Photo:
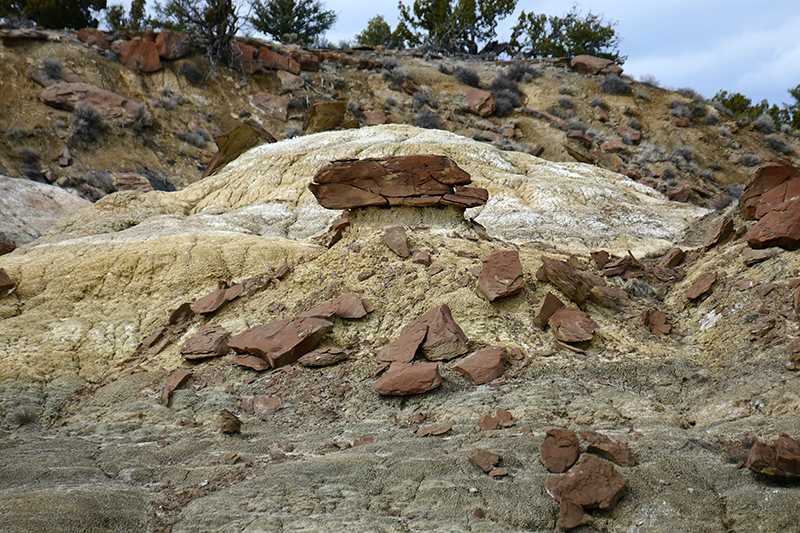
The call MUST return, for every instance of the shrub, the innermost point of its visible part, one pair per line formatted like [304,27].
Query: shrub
[428,119]
[686,152]
[196,138]
[564,102]
[191,73]
[634,123]
[293,130]
[354,108]
[389,63]
[642,94]
[786,128]
[23,415]
[391,102]
[775,142]
[651,153]
[724,131]
[506,93]
[523,72]
[750,160]
[678,108]
[580,126]
[14,133]
[765,123]
[649,79]
[87,124]
[556,112]
[613,84]
[467,76]
[669,176]
[52,68]
[418,100]
[598,102]
[168,99]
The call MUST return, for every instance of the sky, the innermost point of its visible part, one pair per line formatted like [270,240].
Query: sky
[739,46]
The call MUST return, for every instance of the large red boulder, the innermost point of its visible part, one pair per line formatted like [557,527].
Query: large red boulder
[591,66]
[779,227]
[172,45]
[418,180]
[403,379]
[484,365]
[560,450]
[768,176]
[140,55]
[480,102]
[284,341]
[780,460]
[436,333]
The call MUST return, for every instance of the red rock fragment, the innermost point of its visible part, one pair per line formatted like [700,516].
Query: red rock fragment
[403,379]
[506,418]
[484,365]
[213,301]
[433,430]
[251,361]
[395,238]
[94,37]
[559,450]
[375,118]
[7,284]
[274,106]
[488,423]
[421,258]
[435,333]
[601,445]
[498,472]
[276,61]
[483,459]
[591,483]
[600,258]
[325,356]
[501,275]
[634,135]
[572,325]
[574,283]
[284,341]
[261,406]
[656,322]
[112,106]
[701,286]
[210,341]
[780,461]
[480,102]
[672,258]
[549,305]
[230,422]
[348,305]
[718,233]
[175,380]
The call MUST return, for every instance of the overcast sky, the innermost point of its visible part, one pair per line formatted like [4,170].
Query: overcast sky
[740,46]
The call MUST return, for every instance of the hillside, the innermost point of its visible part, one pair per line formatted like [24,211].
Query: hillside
[432,353]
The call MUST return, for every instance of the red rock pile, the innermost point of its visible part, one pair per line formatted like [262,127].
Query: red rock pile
[421,181]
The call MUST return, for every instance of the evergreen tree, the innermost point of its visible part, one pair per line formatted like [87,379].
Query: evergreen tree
[567,36]
[454,25]
[214,24]
[304,18]
[379,33]
[54,14]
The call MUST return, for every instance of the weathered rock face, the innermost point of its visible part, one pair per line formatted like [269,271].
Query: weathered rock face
[779,227]
[112,106]
[769,176]
[501,275]
[419,181]
[28,208]
[234,143]
[172,45]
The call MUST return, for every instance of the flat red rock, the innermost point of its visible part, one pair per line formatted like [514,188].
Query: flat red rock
[572,325]
[403,379]
[484,365]
[701,286]
[348,305]
[591,482]
[284,341]
[480,102]
[779,227]
[175,380]
[591,65]
[606,448]
[501,275]
[483,459]
[718,233]
[419,180]
[396,239]
[560,450]
[325,356]
[210,341]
